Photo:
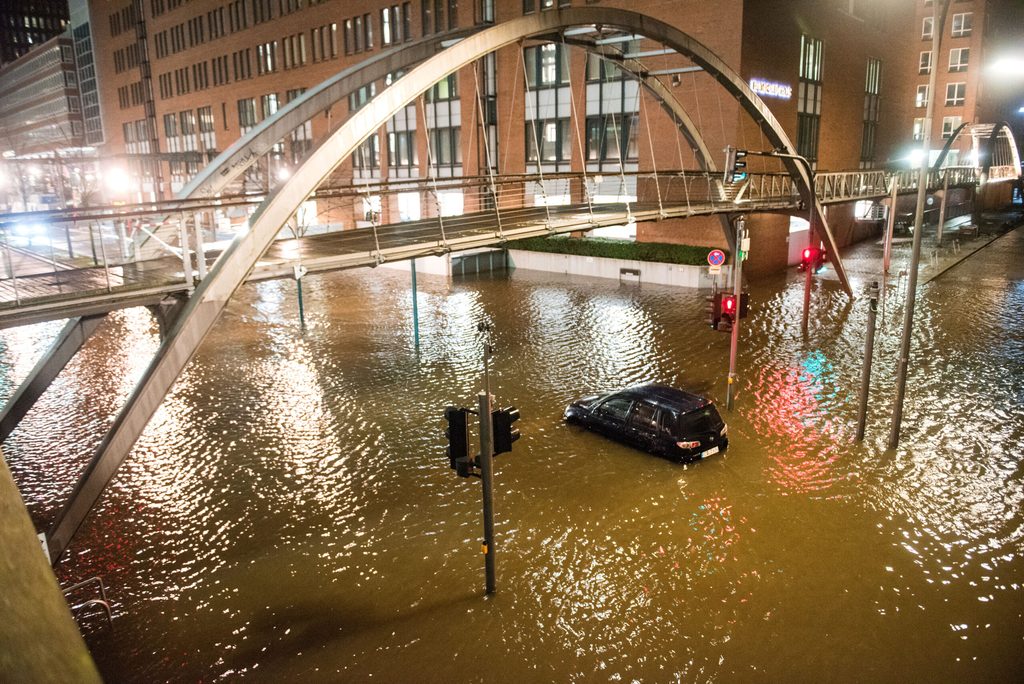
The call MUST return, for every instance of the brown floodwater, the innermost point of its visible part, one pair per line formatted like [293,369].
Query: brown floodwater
[289,514]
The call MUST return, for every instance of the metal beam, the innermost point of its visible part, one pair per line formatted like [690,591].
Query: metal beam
[231,269]
[70,339]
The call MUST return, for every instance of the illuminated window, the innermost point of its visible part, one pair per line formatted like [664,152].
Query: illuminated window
[962,24]
[922,96]
[950,124]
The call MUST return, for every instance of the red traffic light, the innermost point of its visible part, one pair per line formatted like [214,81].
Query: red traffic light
[729,304]
[808,255]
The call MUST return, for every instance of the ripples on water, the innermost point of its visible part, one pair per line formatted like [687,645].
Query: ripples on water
[289,513]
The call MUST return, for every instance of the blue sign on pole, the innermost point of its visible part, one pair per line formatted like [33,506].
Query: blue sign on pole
[716,257]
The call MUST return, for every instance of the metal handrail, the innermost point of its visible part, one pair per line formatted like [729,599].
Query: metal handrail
[103,602]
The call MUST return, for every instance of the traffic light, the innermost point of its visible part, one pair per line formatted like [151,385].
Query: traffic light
[728,307]
[812,258]
[458,440]
[504,433]
[734,164]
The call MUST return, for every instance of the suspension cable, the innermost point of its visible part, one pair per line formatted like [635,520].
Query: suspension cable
[650,140]
[430,171]
[576,130]
[536,144]
[487,150]
[378,257]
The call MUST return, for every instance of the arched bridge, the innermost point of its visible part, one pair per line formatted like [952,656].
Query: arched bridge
[496,206]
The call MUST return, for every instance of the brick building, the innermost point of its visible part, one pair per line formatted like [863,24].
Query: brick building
[181,81]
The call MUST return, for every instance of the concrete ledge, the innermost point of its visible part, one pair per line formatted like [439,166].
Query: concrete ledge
[650,272]
[39,640]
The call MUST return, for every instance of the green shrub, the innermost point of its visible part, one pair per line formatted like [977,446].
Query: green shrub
[615,249]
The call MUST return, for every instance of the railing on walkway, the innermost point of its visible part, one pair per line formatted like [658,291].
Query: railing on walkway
[64,255]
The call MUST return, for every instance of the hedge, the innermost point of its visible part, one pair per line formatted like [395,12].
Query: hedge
[615,249]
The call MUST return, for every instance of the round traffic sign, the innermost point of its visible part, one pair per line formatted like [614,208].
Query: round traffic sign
[716,257]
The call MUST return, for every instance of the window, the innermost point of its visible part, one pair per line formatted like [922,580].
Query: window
[546,65]
[266,57]
[608,136]
[247,114]
[444,146]
[950,124]
[645,416]
[325,42]
[924,65]
[922,96]
[402,149]
[269,105]
[872,92]
[615,408]
[358,98]
[962,24]
[808,116]
[552,136]
[926,28]
[445,89]
[367,155]
[955,94]
[385,26]
[958,58]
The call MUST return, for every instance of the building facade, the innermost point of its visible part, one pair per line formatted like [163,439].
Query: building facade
[179,81]
[26,24]
[41,130]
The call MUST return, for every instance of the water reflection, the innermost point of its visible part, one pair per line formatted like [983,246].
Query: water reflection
[289,513]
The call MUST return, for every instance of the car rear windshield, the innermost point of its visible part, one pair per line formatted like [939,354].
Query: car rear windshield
[701,420]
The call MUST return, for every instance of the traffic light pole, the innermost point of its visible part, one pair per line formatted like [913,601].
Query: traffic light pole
[737,288]
[487,477]
[487,465]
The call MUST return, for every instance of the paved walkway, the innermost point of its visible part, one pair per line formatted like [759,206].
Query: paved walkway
[961,239]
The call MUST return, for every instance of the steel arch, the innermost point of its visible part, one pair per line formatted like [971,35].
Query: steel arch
[230,270]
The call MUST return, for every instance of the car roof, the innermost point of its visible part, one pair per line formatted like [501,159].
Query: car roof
[664,396]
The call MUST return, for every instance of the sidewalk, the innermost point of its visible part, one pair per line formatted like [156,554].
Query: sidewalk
[960,240]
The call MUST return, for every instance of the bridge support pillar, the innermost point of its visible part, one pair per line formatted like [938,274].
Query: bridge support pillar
[166,312]
[67,344]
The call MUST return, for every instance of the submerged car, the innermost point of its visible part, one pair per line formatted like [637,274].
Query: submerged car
[656,418]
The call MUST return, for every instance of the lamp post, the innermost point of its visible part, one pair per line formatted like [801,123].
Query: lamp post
[938,22]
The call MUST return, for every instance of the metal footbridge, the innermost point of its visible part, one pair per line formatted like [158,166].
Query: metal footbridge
[177,263]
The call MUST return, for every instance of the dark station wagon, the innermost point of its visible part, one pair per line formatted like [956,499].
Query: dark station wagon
[656,418]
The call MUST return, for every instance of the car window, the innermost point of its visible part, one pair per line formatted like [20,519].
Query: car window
[616,407]
[645,416]
[702,420]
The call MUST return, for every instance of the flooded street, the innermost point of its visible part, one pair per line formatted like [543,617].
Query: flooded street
[289,514]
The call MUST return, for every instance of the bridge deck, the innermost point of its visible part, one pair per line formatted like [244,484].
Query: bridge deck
[80,291]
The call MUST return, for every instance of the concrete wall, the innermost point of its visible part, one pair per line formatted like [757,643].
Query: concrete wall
[598,267]
[39,640]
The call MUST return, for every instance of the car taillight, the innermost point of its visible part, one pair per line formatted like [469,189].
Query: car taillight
[687,445]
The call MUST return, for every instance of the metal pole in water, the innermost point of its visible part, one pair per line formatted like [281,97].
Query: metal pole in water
[865,375]
[487,463]
[737,289]
[487,478]
[415,309]
[938,24]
